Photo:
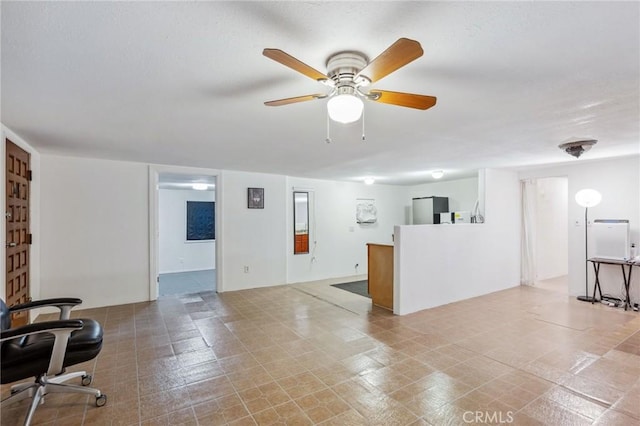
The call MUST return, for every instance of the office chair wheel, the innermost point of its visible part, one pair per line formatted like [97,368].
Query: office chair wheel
[101,400]
[87,379]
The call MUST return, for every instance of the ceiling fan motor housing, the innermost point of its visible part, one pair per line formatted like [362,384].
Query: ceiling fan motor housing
[343,67]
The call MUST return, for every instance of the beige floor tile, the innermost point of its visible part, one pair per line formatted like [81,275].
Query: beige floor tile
[550,412]
[615,418]
[575,402]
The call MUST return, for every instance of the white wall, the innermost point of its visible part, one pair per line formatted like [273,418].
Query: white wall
[34,205]
[618,180]
[439,264]
[336,242]
[551,227]
[253,237]
[95,230]
[462,194]
[104,224]
[176,254]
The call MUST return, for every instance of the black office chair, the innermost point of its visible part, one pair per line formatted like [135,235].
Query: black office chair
[43,350]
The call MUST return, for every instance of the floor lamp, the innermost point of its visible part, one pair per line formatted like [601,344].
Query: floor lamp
[587,198]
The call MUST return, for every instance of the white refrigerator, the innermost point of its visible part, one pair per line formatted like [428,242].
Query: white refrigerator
[426,210]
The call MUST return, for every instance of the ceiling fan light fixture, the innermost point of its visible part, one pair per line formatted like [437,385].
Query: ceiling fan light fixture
[437,174]
[345,108]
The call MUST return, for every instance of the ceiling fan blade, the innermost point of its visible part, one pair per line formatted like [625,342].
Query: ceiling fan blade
[287,101]
[293,63]
[409,100]
[396,56]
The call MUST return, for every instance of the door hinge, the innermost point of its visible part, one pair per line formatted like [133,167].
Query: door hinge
[158,279]
[29,175]
[29,238]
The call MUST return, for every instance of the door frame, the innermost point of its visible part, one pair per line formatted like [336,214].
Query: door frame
[154,173]
[537,230]
[34,212]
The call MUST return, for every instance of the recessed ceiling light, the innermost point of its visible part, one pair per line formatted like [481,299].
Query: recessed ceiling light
[369,181]
[437,174]
[200,186]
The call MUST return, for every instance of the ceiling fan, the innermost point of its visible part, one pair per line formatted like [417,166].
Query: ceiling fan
[349,75]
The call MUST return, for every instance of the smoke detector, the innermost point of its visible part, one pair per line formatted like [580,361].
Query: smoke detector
[577,147]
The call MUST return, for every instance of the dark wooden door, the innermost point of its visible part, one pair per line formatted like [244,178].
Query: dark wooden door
[18,175]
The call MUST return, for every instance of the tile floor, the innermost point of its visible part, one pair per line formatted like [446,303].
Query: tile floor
[187,282]
[313,354]
[558,284]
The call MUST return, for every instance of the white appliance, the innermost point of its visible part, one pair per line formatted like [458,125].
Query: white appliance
[446,217]
[610,239]
[455,217]
[462,217]
[426,210]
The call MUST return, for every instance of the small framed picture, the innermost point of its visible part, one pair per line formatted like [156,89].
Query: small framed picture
[255,198]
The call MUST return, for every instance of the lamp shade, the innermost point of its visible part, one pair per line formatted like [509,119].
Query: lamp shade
[345,108]
[588,197]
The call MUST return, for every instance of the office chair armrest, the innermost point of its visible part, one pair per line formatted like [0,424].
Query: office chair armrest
[60,326]
[65,304]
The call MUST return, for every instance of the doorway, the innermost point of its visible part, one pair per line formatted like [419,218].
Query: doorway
[185,231]
[187,245]
[18,238]
[545,233]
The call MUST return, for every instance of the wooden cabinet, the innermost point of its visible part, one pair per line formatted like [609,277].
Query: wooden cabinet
[380,274]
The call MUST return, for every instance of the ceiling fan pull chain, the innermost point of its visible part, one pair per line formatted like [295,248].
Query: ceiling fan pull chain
[363,138]
[328,139]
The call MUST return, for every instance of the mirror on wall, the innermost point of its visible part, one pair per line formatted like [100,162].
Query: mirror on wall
[300,222]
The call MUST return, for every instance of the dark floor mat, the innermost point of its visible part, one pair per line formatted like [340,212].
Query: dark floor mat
[357,287]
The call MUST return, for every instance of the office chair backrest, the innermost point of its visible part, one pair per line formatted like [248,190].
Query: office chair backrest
[5,316]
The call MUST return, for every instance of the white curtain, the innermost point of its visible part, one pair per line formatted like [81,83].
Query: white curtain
[528,232]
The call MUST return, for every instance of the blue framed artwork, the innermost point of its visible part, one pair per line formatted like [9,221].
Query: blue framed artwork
[201,220]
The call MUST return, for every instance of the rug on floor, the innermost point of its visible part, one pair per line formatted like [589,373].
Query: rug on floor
[357,287]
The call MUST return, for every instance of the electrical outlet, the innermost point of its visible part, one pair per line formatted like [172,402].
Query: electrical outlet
[246,269]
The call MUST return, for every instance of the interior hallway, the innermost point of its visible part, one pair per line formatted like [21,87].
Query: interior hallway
[303,354]
[179,283]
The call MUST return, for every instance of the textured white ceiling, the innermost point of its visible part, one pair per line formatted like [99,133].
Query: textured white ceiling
[184,83]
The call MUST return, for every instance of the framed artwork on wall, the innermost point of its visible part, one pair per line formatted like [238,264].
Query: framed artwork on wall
[366,211]
[201,220]
[255,198]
